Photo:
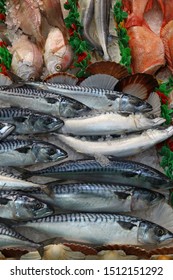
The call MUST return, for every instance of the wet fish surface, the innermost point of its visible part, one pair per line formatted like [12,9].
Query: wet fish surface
[101,229]
[119,147]
[5,129]
[28,152]
[18,206]
[9,238]
[95,197]
[96,98]
[40,101]
[29,122]
[115,171]
[108,124]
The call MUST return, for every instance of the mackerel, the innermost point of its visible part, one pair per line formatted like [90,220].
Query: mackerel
[108,123]
[26,121]
[95,98]
[95,197]
[114,171]
[28,152]
[6,129]
[119,147]
[44,102]
[101,229]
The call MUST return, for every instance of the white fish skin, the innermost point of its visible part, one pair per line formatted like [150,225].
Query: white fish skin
[121,147]
[108,123]
[97,228]
[6,129]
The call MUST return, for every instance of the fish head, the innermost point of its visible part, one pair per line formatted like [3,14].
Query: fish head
[47,152]
[70,108]
[60,60]
[135,104]
[31,207]
[153,234]
[143,199]
[46,123]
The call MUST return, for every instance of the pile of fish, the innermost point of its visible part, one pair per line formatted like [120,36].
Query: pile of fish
[95,194]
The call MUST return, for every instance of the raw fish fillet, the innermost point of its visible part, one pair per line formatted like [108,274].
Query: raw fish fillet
[167,38]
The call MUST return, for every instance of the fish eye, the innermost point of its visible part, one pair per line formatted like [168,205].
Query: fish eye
[38,206]
[31,79]
[48,121]
[159,231]
[58,67]
[51,151]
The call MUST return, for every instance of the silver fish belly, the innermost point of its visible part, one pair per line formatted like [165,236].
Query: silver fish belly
[98,99]
[122,147]
[40,101]
[92,197]
[28,152]
[99,229]
[115,171]
[18,206]
[108,124]
[29,122]
[6,129]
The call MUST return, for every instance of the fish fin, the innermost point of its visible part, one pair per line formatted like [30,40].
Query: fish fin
[4,201]
[100,81]
[24,173]
[62,78]
[20,119]
[139,85]
[111,68]
[166,37]
[154,101]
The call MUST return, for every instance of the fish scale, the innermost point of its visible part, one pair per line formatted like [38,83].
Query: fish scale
[13,144]
[13,112]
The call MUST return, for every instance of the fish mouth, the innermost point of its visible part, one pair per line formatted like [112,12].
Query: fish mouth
[59,155]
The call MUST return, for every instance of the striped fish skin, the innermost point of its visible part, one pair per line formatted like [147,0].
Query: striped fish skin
[6,129]
[95,98]
[29,122]
[119,171]
[17,206]
[28,152]
[44,102]
[10,182]
[86,197]
[9,238]
[101,229]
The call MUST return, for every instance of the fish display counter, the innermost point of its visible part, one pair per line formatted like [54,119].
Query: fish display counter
[86,130]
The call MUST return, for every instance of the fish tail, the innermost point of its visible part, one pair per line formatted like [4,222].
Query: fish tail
[24,173]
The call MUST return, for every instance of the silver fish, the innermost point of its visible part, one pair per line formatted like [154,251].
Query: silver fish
[102,12]
[116,170]
[87,14]
[44,102]
[9,238]
[99,229]
[96,98]
[17,206]
[6,129]
[9,181]
[28,152]
[119,147]
[29,122]
[108,123]
[93,197]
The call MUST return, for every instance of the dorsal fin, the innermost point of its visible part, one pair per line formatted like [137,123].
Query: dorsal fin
[154,101]
[100,81]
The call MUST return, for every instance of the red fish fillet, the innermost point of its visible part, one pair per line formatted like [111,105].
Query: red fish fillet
[147,50]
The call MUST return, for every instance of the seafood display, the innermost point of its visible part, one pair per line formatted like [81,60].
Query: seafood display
[84,115]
